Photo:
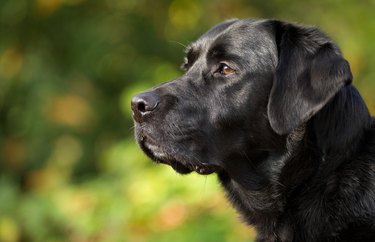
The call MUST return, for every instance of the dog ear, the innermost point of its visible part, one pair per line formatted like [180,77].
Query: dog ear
[310,71]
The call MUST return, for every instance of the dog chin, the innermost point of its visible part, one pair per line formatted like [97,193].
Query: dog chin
[158,156]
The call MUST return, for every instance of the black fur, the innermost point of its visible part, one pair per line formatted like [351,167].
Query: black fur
[269,106]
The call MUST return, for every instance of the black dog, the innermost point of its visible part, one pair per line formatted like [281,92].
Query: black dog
[269,106]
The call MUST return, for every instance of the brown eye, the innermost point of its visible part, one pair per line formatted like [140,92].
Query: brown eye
[225,70]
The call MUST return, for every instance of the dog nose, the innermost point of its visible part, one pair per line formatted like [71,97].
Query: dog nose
[143,104]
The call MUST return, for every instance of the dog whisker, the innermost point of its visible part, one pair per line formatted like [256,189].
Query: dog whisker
[176,42]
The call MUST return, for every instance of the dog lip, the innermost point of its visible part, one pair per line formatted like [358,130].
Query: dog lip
[206,169]
[142,144]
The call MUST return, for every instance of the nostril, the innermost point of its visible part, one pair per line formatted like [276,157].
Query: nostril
[141,107]
[143,103]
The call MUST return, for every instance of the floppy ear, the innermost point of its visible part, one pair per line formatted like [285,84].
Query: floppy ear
[309,73]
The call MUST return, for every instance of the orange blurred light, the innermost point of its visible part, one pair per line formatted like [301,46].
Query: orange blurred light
[47,7]
[171,216]
[69,110]
[11,61]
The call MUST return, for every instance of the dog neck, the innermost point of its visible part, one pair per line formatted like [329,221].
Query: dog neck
[315,148]
[260,188]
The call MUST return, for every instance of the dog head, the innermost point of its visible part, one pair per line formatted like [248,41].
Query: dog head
[247,85]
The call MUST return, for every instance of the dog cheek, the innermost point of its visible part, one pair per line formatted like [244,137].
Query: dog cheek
[219,117]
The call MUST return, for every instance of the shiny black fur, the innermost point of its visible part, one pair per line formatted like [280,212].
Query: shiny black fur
[290,138]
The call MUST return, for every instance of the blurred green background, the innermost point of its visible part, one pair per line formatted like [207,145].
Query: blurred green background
[69,167]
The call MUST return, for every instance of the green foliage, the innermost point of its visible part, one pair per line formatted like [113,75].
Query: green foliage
[69,168]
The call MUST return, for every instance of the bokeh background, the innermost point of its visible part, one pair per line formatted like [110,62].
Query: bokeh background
[69,167]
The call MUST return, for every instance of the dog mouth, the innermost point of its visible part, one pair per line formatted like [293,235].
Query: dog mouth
[159,155]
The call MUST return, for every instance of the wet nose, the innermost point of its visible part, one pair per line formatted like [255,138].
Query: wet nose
[144,104]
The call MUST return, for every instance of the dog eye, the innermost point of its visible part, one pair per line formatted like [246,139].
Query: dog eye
[225,70]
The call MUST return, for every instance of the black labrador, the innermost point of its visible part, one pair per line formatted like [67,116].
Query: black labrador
[269,106]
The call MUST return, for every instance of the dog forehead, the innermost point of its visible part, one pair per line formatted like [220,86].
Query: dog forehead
[231,27]
[233,33]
